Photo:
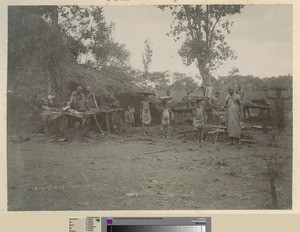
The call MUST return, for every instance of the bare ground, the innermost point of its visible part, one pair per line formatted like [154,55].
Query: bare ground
[116,173]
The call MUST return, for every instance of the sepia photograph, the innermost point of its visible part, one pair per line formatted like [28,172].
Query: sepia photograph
[149,107]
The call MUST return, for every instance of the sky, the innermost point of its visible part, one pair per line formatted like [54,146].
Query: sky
[261,37]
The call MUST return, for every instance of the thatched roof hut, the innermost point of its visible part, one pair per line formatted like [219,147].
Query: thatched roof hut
[42,61]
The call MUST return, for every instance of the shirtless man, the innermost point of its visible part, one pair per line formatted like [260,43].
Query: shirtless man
[145,114]
[199,119]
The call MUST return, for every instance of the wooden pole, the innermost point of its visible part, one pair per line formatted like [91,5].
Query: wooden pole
[97,123]
[216,139]
[107,123]
[265,121]
[46,122]
[65,118]
[154,152]
[110,119]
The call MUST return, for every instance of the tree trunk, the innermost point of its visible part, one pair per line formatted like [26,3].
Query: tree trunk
[203,71]
[48,79]
[207,27]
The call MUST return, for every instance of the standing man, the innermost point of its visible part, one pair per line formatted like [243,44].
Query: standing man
[239,90]
[233,114]
[214,102]
[49,103]
[145,114]
[199,119]
[156,93]
[166,115]
[77,100]
[208,87]
[279,108]
[188,98]
[90,99]
[91,103]
[169,100]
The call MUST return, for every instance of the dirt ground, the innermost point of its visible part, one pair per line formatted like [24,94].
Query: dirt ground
[124,173]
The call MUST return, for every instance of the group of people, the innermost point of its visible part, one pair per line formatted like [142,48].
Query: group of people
[80,101]
[233,108]
[233,111]
[129,115]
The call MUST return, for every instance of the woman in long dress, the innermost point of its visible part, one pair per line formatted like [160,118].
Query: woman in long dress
[233,114]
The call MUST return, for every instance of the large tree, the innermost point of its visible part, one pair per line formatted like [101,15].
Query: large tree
[202,30]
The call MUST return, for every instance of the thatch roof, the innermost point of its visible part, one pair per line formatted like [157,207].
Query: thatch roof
[99,82]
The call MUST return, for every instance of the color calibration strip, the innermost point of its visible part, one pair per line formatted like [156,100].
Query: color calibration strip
[158,228]
[88,224]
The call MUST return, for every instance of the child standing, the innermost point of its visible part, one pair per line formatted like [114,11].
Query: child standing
[166,113]
[127,115]
[131,114]
[199,119]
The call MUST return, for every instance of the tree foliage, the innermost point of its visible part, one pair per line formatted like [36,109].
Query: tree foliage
[86,32]
[233,71]
[183,81]
[150,79]
[88,26]
[202,30]
[147,55]
[160,78]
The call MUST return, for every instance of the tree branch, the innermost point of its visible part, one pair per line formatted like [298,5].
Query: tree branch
[186,9]
[213,29]
[207,30]
[198,17]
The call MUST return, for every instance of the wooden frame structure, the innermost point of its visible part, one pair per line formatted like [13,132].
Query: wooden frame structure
[55,113]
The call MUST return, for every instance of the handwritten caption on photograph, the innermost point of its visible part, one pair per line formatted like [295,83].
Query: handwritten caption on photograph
[57,187]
